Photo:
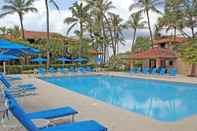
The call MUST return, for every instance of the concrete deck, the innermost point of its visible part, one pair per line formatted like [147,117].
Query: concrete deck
[114,118]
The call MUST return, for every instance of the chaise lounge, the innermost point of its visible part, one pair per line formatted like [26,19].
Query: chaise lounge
[21,116]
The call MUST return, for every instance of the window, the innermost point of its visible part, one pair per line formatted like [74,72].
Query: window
[163,45]
[171,63]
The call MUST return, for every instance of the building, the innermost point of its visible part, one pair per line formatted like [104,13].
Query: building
[163,54]
[33,36]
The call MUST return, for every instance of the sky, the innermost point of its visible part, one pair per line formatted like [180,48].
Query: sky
[37,21]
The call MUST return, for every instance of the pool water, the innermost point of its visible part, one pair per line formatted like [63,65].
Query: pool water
[163,101]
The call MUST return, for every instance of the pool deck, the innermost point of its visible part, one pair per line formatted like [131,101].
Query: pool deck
[114,118]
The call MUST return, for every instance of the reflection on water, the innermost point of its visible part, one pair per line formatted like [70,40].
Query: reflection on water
[159,100]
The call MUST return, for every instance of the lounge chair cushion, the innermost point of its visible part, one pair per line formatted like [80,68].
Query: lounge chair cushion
[26,86]
[52,113]
[78,126]
[19,113]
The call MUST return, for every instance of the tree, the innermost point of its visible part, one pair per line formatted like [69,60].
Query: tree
[47,24]
[157,31]
[79,17]
[188,17]
[3,30]
[135,22]
[14,31]
[99,10]
[171,20]
[145,6]
[20,7]
[117,28]
[188,52]
[142,44]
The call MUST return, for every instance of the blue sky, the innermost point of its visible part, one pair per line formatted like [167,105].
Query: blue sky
[64,4]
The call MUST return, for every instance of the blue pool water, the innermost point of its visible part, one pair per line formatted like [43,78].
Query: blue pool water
[164,101]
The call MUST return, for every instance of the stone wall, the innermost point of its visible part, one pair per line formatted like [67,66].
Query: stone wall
[183,68]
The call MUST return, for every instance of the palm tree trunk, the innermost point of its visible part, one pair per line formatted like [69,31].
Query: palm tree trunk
[193,33]
[111,35]
[132,46]
[193,70]
[81,38]
[149,26]
[104,40]
[48,36]
[22,27]
[175,34]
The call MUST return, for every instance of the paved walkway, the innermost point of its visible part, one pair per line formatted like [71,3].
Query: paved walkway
[116,119]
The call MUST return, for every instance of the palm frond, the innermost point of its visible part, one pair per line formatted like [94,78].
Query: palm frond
[6,13]
[70,20]
[70,28]
[55,4]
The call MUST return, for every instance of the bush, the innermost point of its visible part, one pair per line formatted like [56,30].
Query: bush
[20,69]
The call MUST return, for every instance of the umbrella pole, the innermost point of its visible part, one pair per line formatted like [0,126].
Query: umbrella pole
[4,70]
[63,64]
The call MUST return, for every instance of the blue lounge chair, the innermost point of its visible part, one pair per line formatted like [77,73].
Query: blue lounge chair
[20,86]
[145,70]
[82,70]
[21,116]
[162,71]
[18,91]
[154,71]
[47,114]
[89,69]
[53,113]
[41,71]
[133,70]
[61,70]
[14,78]
[138,70]
[71,69]
[173,72]
[52,70]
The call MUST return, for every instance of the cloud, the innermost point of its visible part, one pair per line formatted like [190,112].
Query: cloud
[37,21]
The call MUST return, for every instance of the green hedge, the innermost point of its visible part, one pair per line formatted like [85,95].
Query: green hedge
[19,69]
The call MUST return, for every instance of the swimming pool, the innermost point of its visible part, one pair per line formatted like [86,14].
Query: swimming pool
[163,101]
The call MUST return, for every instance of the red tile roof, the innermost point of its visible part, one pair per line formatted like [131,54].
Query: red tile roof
[155,53]
[178,40]
[39,35]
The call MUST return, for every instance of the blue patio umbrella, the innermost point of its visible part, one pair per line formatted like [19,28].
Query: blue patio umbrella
[98,59]
[39,60]
[8,47]
[4,58]
[20,52]
[80,59]
[64,59]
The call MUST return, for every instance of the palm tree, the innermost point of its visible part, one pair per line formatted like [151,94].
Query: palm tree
[47,24]
[14,31]
[99,10]
[20,7]
[188,19]
[117,29]
[171,20]
[79,17]
[157,31]
[145,6]
[3,30]
[135,22]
